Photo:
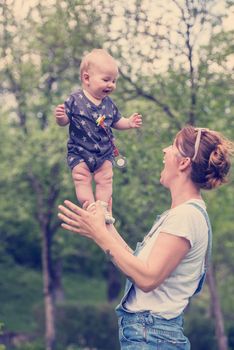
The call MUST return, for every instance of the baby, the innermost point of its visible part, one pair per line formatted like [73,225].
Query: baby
[91,114]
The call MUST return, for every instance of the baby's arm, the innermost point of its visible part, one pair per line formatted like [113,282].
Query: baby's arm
[60,115]
[134,121]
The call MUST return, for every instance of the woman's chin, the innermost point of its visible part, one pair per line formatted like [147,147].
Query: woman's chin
[163,180]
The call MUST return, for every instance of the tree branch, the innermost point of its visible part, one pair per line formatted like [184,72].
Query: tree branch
[165,108]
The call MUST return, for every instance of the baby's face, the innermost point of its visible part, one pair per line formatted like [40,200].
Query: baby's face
[102,78]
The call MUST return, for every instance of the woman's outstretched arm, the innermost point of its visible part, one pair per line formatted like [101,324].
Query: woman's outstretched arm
[166,254]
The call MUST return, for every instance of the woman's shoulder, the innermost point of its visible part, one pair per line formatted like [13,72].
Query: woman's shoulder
[192,207]
[192,213]
[187,220]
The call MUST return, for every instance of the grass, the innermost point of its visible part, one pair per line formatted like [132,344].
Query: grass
[21,290]
[84,290]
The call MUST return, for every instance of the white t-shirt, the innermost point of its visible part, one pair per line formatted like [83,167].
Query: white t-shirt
[170,298]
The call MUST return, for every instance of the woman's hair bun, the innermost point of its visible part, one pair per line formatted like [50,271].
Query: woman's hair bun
[218,166]
[212,161]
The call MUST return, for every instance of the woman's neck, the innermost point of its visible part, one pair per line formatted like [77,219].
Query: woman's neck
[183,194]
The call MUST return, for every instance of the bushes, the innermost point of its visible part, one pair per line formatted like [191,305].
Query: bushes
[78,327]
[37,345]
[231,337]
[89,326]
[199,328]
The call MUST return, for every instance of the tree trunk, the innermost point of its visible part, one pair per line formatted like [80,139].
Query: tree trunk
[216,311]
[113,282]
[44,214]
[48,292]
[58,287]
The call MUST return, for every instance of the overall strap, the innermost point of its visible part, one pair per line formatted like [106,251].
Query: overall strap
[158,222]
[209,246]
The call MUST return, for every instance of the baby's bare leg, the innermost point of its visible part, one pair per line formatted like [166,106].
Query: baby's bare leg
[83,183]
[103,178]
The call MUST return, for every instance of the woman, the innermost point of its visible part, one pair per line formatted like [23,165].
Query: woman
[169,265]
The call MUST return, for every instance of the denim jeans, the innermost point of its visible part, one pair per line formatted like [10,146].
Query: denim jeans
[144,331]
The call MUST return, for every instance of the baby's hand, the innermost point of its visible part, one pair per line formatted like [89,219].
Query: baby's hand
[59,111]
[135,120]
[60,115]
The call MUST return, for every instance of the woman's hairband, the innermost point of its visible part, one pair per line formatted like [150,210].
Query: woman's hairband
[198,141]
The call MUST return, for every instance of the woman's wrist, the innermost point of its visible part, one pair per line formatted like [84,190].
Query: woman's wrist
[102,238]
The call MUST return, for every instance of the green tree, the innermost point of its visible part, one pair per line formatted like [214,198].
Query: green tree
[33,67]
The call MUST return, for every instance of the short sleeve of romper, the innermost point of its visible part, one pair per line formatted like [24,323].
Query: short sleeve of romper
[69,106]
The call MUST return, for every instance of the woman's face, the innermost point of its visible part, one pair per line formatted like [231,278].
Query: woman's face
[171,160]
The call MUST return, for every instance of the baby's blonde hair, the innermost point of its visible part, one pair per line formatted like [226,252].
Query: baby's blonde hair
[91,59]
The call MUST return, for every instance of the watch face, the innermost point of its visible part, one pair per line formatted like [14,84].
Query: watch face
[120,162]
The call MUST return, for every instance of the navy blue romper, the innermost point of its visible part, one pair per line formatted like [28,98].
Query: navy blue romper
[87,141]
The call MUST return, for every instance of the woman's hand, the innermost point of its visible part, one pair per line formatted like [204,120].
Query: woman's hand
[89,223]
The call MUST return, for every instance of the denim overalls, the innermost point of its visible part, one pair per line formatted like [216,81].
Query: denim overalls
[144,330]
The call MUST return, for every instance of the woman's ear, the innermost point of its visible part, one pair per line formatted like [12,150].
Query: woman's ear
[184,163]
